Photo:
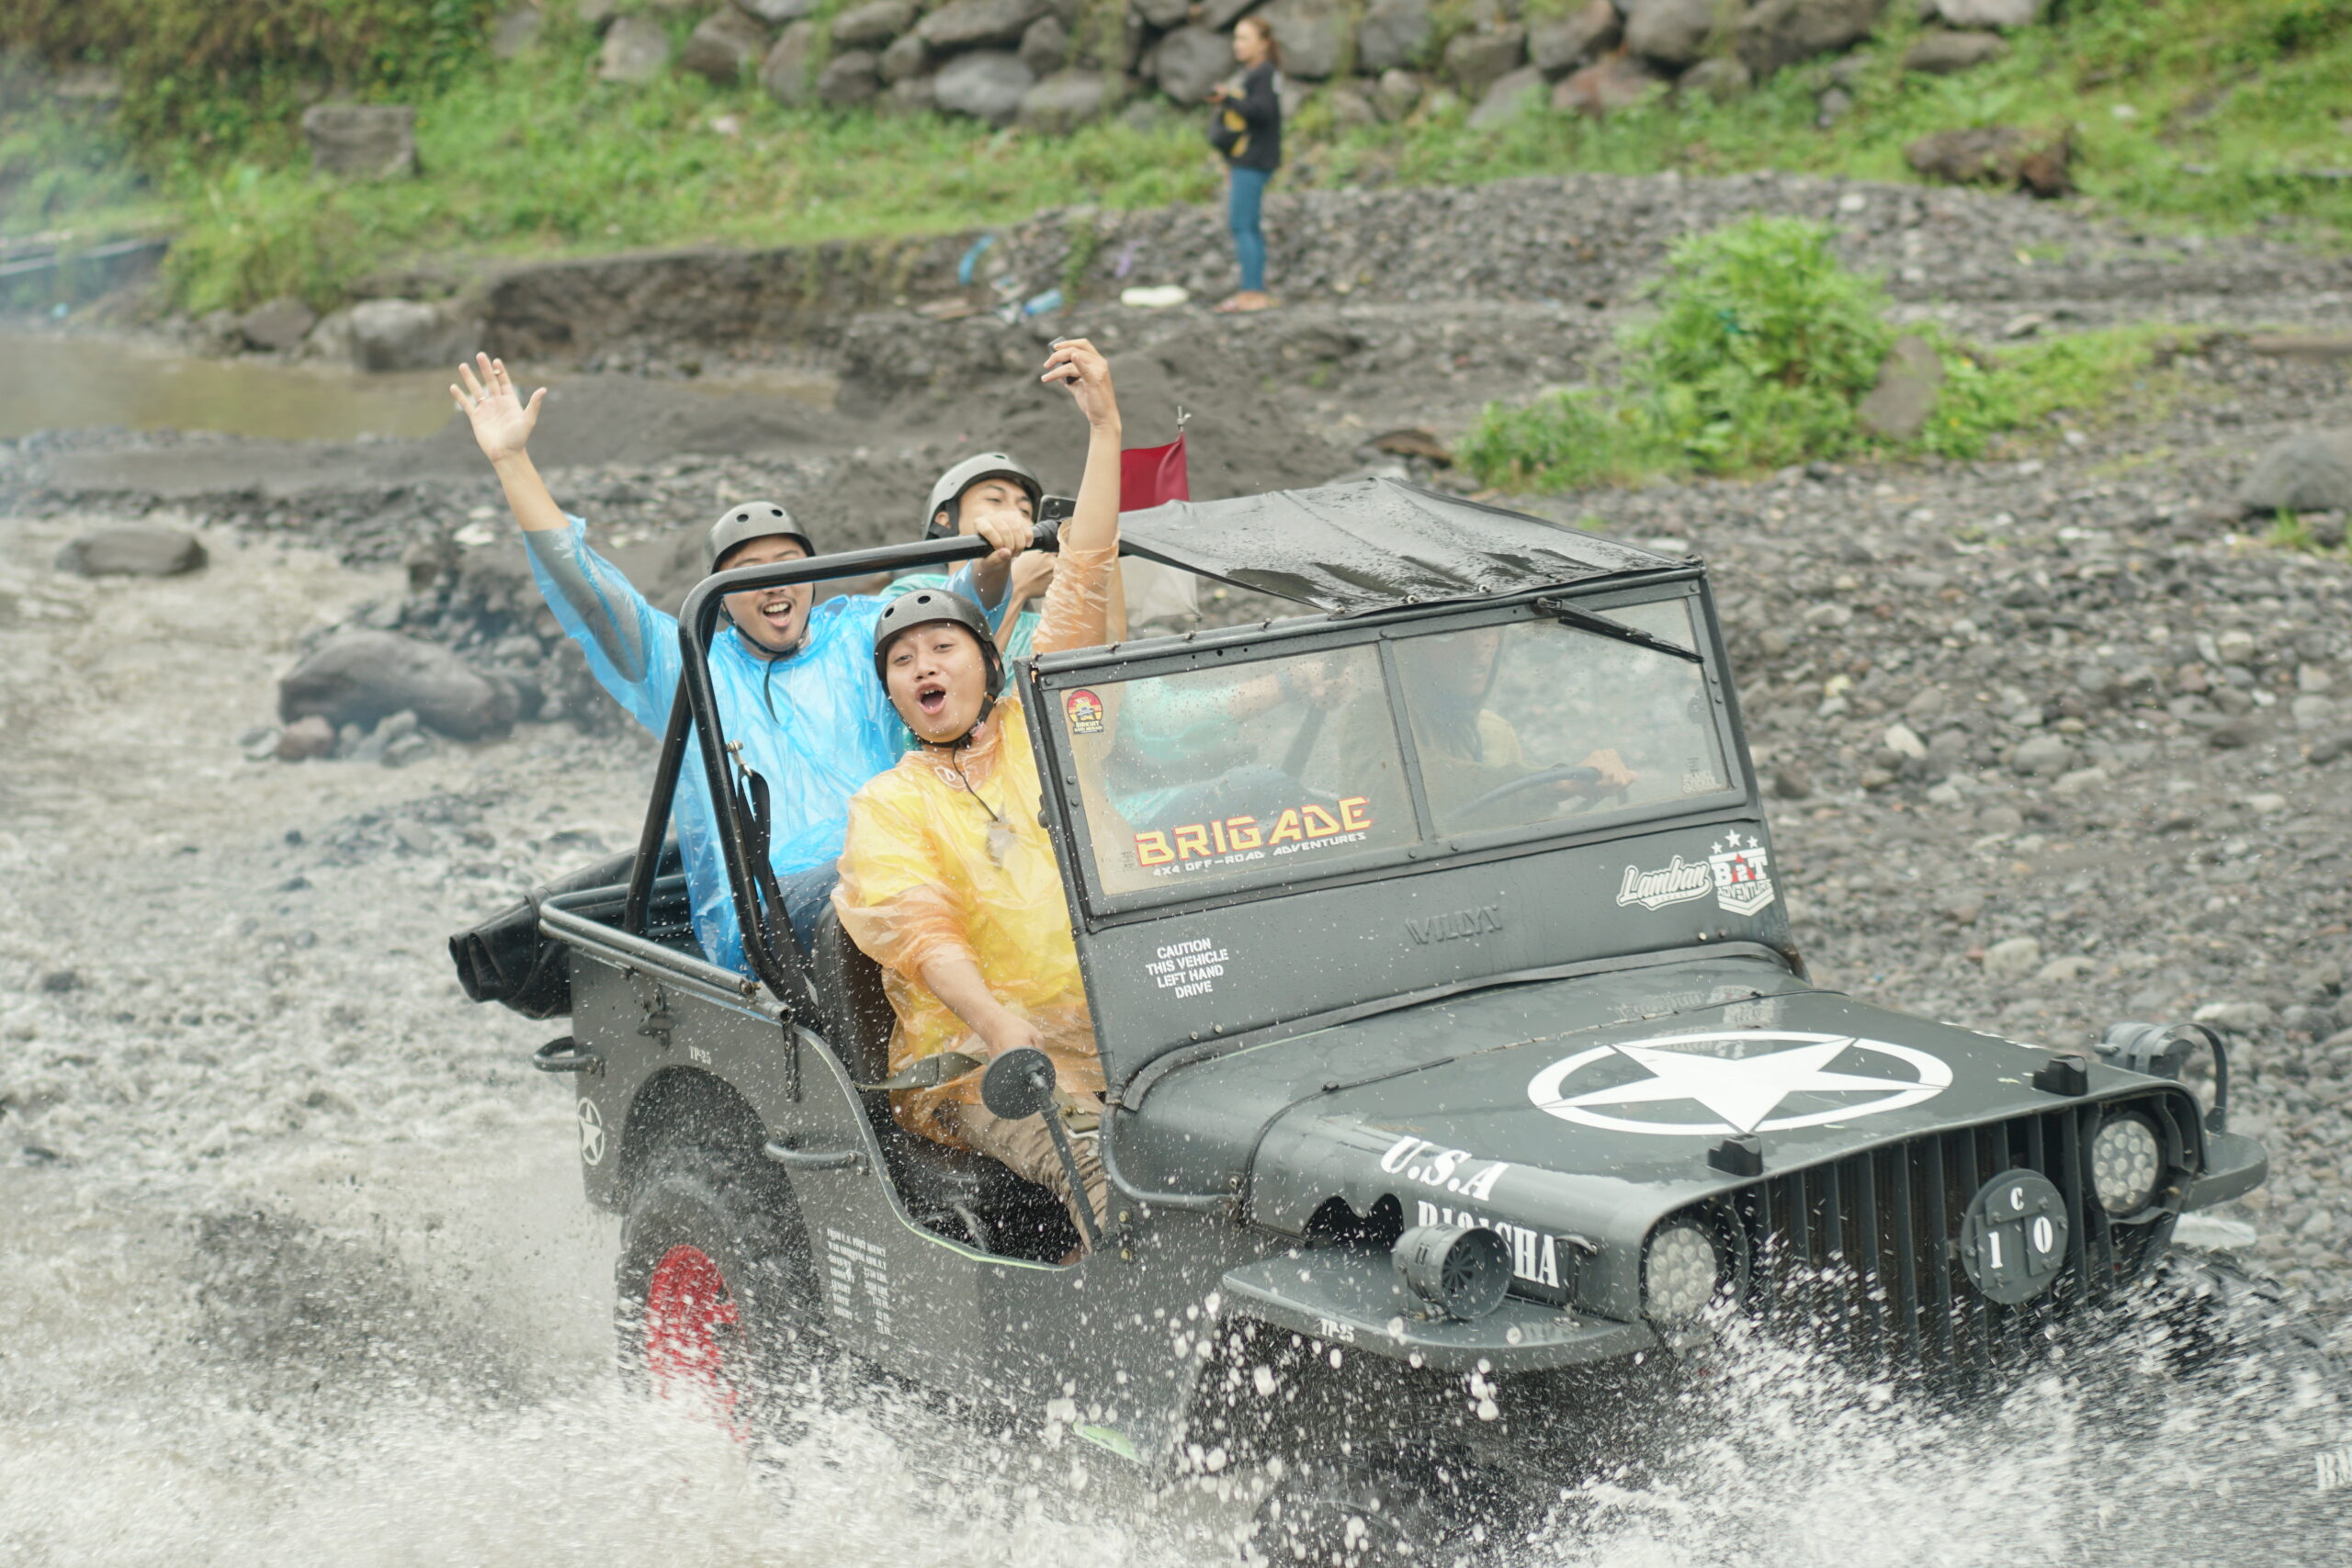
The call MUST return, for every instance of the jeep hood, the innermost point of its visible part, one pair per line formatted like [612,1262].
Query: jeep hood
[1586,1106]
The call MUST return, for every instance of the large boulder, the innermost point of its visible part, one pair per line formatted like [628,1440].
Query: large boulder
[1559,46]
[409,334]
[637,49]
[371,141]
[2309,472]
[1044,48]
[132,550]
[987,84]
[1397,93]
[787,73]
[597,15]
[726,47]
[1512,94]
[1162,14]
[908,95]
[1673,32]
[849,79]
[776,13]
[1945,53]
[1063,102]
[1476,62]
[1396,33]
[1782,32]
[1994,154]
[1897,408]
[361,677]
[1721,78]
[978,24]
[278,327]
[872,25]
[1312,34]
[1612,82]
[907,56]
[516,32]
[1189,61]
[1987,12]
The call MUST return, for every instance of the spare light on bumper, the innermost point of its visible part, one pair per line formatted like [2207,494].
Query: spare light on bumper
[2126,1164]
[1461,1270]
[1680,1272]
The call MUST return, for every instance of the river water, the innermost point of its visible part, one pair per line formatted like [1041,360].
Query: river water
[68,382]
[294,1267]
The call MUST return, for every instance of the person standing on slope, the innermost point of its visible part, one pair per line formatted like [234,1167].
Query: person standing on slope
[1248,131]
[795,681]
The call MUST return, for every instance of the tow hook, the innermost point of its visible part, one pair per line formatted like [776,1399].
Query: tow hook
[565,1055]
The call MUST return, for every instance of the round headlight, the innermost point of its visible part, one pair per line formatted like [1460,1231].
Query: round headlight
[2127,1161]
[1682,1272]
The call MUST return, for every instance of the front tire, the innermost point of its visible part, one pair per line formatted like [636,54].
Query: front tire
[718,1303]
[1338,1512]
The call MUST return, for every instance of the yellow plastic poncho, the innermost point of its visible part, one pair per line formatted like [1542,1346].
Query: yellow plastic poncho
[924,874]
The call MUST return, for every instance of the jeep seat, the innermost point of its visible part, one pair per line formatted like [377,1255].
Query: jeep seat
[944,1188]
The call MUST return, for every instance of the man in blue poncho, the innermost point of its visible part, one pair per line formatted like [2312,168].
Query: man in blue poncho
[795,683]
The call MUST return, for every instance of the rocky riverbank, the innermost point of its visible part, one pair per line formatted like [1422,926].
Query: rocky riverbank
[2053,738]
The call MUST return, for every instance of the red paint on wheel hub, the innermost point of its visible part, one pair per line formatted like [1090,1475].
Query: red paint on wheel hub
[686,1304]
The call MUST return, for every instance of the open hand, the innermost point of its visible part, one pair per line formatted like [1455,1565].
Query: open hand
[1077,364]
[502,423]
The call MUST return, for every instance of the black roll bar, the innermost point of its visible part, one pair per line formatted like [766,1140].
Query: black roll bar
[695,709]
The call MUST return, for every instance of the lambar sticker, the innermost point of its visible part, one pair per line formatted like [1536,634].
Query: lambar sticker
[1742,874]
[1084,710]
[1677,883]
[1234,840]
[1736,1081]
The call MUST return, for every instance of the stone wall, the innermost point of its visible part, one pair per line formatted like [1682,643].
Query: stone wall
[1051,66]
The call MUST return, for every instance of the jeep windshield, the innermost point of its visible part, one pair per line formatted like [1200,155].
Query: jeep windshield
[1506,725]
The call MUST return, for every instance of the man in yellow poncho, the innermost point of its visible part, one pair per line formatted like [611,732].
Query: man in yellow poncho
[948,880]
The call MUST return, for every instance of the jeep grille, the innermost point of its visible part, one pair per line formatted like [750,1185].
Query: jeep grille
[1865,1250]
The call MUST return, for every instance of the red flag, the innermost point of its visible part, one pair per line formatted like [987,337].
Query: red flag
[1153,476]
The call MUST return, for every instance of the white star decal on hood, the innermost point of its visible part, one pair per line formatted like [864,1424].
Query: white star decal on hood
[1740,1092]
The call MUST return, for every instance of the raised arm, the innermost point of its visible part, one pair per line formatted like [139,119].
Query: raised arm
[1077,611]
[503,424]
[631,646]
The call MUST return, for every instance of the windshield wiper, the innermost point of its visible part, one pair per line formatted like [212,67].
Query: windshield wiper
[1568,615]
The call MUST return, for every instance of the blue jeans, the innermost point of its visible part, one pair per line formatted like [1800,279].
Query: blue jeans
[1244,192]
[806,894]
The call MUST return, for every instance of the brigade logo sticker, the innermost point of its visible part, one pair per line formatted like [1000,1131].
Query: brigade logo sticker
[1736,1081]
[1232,840]
[1678,883]
[1742,874]
[591,1133]
[1084,710]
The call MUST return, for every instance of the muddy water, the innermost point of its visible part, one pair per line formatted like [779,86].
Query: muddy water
[294,1267]
[69,383]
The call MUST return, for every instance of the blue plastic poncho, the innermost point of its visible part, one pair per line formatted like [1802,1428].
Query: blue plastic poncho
[815,726]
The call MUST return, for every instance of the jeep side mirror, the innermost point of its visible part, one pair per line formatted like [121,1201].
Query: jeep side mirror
[1019,1083]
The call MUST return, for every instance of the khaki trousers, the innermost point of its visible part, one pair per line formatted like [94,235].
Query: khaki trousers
[1026,1149]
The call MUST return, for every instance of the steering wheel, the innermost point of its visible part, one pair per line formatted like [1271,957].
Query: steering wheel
[1540,778]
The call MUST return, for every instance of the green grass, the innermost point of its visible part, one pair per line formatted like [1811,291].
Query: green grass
[2238,111]
[1761,349]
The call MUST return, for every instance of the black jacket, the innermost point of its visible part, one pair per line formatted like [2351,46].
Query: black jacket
[1261,108]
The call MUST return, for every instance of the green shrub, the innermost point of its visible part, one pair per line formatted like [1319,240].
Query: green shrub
[1763,347]
[218,72]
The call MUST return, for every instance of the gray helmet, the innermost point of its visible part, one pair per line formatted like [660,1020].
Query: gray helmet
[948,493]
[755,520]
[921,608]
